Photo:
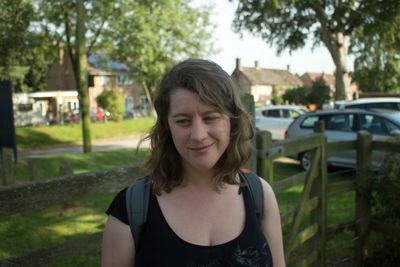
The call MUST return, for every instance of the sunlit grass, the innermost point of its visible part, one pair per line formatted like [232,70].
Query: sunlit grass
[34,137]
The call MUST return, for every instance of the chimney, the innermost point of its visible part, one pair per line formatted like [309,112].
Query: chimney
[256,64]
[238,63]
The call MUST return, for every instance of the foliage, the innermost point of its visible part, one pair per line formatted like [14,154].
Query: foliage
[377,64]
[288,24]
[320,92]
[297,95]
[385,206]
[15,17]
[113,102]
[159,33]
[25,54]
[317,94]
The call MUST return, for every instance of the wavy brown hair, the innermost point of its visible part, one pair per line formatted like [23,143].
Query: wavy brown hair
[215,88]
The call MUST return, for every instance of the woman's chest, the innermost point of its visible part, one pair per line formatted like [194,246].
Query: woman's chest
[206,221]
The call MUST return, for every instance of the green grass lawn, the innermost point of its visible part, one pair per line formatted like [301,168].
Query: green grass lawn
[34,137]
[33,230]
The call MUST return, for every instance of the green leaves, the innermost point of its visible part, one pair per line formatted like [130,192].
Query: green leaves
[15,17]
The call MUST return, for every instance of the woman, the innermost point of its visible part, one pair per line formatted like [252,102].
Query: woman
[200,212]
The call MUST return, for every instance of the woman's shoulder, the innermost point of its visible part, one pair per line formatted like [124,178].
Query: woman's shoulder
[117,207]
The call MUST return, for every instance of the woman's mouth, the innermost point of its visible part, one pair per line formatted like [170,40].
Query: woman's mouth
[201,149]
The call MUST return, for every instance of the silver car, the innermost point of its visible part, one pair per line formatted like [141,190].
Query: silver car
[342,125]
[276,119]
[391,103]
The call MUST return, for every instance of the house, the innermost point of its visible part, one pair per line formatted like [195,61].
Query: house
[309,78]
[264,84]
[103,74]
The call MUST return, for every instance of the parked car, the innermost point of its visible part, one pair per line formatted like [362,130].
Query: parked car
[96,114]
[132,113]
[72,116]
[276,119]
[391,103]
[341,125]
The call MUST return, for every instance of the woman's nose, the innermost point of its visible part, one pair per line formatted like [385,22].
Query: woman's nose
[199,130]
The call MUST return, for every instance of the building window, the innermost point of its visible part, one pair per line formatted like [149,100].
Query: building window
[123,80]
[102,80]
[129,102]
[72,104]
[25,107]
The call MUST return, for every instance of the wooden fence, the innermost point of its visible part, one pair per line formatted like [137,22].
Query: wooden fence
[317,190]
[34,195]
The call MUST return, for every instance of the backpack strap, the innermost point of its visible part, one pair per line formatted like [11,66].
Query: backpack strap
[137,204]
[256,191]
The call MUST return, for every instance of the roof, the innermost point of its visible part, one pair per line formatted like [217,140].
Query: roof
[261,76]
[101,61]
[309,78]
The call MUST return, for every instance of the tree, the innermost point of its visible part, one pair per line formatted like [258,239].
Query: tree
[15,18]
[320,92]
[377,50]
[113,102]
[289,23]
[25,55]
[297,95]
[151,35]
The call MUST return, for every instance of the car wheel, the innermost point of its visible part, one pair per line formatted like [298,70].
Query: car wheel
[305,160]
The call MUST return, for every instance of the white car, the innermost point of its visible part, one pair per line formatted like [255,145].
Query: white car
[343,125]
[276,119]
[391,103]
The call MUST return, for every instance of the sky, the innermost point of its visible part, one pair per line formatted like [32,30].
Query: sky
[250,48]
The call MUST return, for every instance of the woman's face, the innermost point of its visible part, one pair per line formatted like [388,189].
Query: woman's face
[200,132]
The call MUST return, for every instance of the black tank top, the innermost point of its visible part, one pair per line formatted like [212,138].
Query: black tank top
[160,246]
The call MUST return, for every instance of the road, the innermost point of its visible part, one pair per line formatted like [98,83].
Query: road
[97,145]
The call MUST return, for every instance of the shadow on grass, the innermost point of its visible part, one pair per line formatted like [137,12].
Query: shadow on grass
[34,137]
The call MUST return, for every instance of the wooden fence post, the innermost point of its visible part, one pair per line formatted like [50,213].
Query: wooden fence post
[319,190]
[265,166]
[363,212]
[35,169]
[248,102]
[66,169]
[7,168]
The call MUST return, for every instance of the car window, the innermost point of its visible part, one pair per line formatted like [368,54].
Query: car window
[293,114]
[338,122]
[286,113]
[309,122]
[272,113]
[386,105]
[376,124]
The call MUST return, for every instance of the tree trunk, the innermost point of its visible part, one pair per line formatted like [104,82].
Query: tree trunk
[81,78]
[338,46]
[339,51]
[149,100]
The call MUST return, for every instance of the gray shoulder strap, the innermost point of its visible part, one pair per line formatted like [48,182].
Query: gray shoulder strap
[256,192]
[137,204]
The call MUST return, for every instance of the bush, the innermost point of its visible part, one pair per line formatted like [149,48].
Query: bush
[317,94]
[297,95]
[385,207]
[113,102]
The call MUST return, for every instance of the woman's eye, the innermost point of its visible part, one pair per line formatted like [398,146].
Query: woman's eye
[183,121]
[211,118]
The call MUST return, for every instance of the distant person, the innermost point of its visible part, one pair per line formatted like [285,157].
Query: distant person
[200,212]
